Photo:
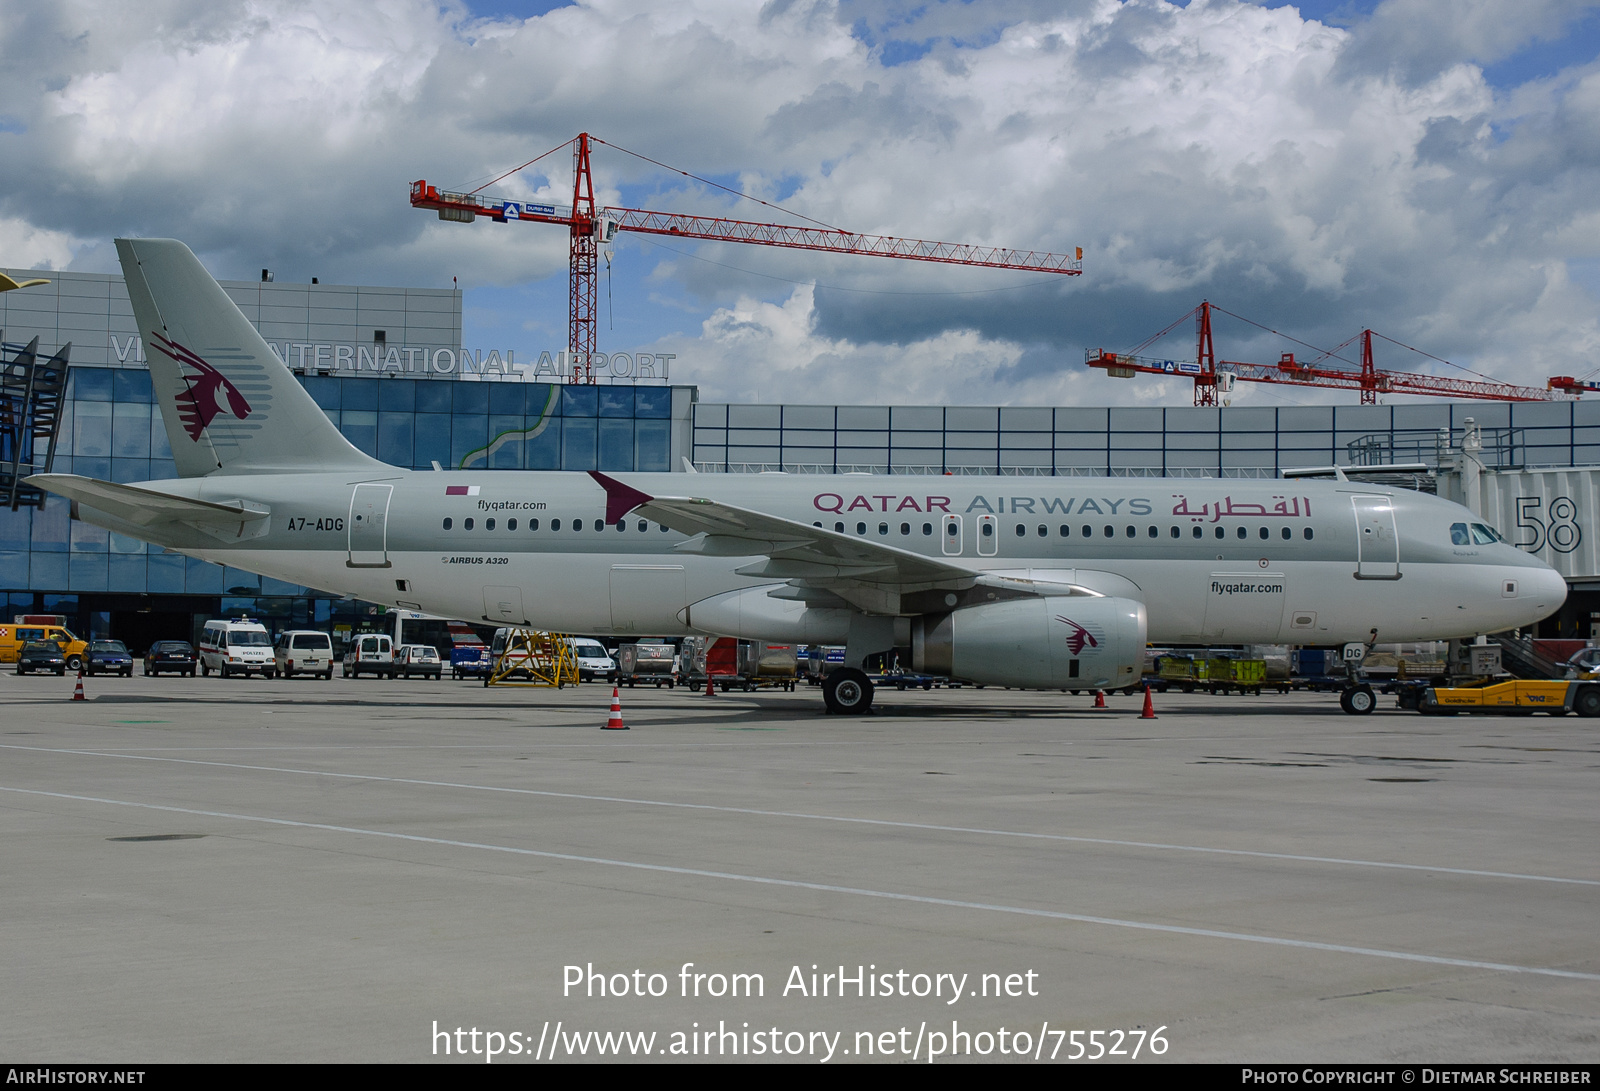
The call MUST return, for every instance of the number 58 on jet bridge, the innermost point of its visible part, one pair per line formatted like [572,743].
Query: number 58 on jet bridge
[1054,583]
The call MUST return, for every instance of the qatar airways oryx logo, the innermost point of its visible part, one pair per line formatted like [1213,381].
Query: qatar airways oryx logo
[206,393]
[1080,637]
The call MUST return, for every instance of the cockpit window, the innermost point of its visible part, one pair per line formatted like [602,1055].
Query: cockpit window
[1476,534]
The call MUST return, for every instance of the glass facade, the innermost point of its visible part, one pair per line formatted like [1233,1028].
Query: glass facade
[1245,441]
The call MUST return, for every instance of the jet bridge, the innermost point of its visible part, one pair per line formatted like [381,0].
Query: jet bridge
[32,396]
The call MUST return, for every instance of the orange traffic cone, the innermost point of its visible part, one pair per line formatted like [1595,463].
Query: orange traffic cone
[77,690]
[615,723]
[1149,712]
[710,689]
[1099,698]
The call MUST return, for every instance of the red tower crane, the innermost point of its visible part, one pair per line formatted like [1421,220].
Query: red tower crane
[590,227]
[1209,373]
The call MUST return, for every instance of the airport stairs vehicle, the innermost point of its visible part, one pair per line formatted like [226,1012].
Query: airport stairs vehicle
[1518,658]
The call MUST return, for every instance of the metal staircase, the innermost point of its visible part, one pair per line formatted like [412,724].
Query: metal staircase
[1519,659]
[33,394]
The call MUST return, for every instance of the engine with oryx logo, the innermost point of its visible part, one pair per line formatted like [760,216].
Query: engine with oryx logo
[1052,642]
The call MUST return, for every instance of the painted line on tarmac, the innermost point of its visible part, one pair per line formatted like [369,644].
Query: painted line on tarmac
[844,819]
[830,888]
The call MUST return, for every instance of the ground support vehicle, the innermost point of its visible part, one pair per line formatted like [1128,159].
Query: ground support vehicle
[470,661]
[771,666]
[904,680]
[176,656]
[1180,672]
[369,653]
[821,660]
[419,659]
[646,663]
[531,657]
[26,627]
[1244,675]
[719,664]
[236,647]
[41,655]
[304,651]
[592,660]
[108,657]
[1518,697]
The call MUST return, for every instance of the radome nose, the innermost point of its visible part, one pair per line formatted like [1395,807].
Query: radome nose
[1544,589]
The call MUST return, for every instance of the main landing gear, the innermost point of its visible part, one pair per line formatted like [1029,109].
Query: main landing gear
[847,692]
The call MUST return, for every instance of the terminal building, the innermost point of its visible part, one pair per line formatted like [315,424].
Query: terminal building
[388,367]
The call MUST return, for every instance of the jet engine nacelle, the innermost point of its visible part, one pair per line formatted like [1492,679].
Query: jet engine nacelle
[753,614]
[1057,642]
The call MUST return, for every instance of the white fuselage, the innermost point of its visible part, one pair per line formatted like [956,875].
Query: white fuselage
[1219,561]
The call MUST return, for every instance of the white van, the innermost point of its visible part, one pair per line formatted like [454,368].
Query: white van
[304,651]
[592,660]
[237,647]
[369,653]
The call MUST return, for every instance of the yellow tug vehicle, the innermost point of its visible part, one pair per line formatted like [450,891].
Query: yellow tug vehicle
[1520,697]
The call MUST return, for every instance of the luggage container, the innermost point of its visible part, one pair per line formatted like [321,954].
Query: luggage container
[647,662]
[1244,675]
[769,665]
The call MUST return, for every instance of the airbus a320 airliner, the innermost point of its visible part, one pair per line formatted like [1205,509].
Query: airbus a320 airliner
[1034,582]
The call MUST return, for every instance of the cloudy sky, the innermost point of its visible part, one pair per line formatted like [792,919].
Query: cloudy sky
[1428,168]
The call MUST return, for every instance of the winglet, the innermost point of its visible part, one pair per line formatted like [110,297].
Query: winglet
[620,498]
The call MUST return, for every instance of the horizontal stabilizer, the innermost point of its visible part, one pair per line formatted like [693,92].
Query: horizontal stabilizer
[143,506]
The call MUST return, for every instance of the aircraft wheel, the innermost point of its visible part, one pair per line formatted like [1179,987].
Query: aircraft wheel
[1358,700]
[1587,702]
[847,692]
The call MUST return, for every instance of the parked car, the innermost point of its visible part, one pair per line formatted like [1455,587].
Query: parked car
[420,659]
[592,660]
[176,656]
[108,657]
[41,655]
[236,647]
[304,651]
[370,653]
[1584,663]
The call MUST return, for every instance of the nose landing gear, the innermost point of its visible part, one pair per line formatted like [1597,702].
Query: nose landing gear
[1358,700]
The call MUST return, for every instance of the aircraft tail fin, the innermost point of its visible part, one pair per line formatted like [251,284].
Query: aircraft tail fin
[229,404]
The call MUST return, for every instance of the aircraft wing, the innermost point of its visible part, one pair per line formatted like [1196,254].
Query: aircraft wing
[873,576]
[228,519]
[793,550]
